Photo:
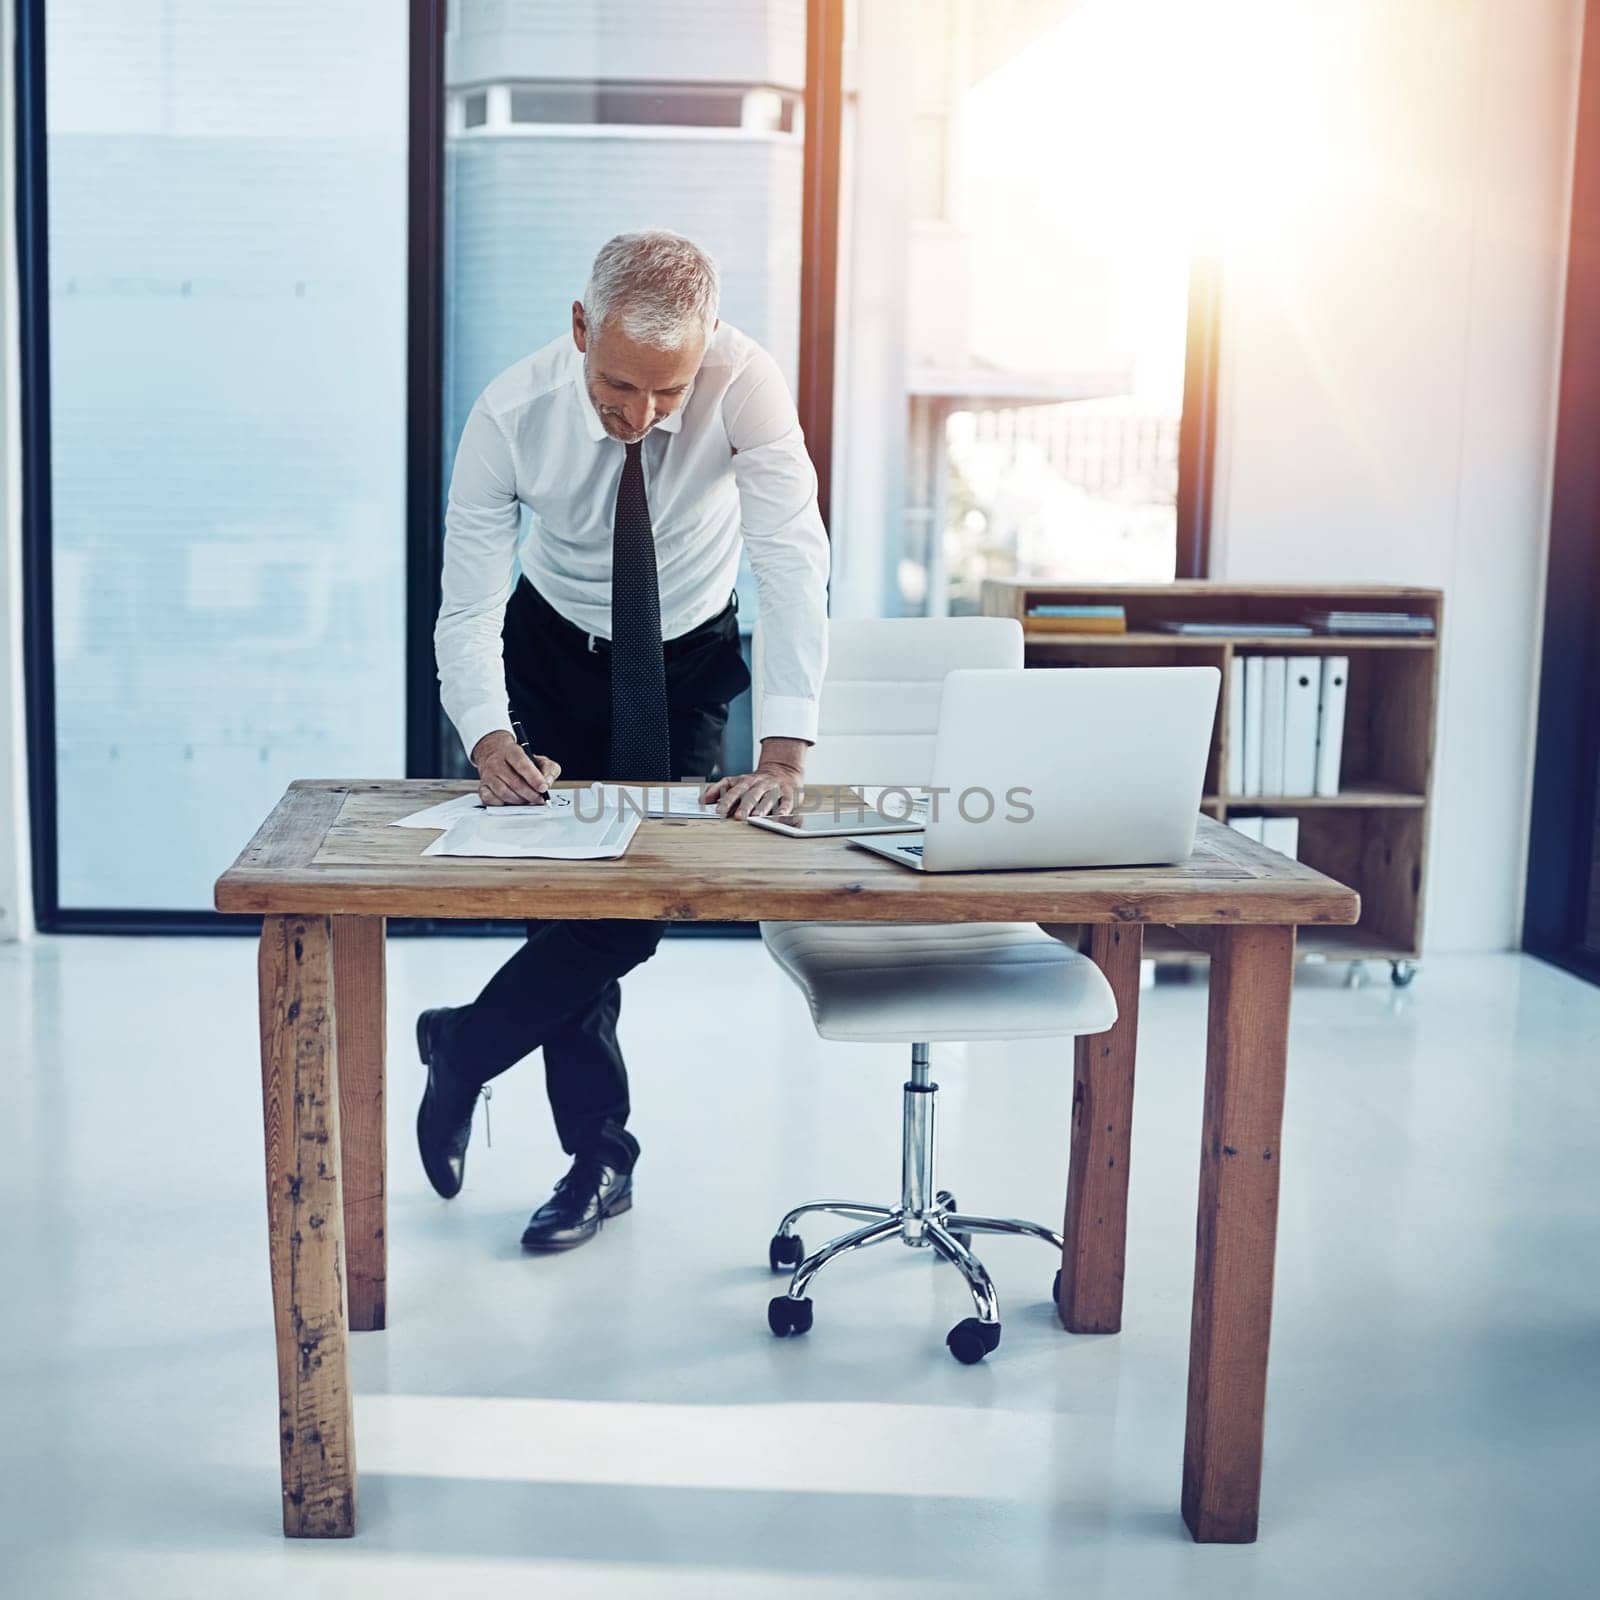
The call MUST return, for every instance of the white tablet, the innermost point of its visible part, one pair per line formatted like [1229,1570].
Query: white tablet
[845,822]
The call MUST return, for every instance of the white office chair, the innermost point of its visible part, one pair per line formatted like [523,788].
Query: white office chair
[917,984]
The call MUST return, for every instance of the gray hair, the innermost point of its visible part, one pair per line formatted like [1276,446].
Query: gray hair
[661,288]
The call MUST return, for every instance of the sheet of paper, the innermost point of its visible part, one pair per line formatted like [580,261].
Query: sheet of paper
[583,832]
[446,812]
[660,800]
[439,816]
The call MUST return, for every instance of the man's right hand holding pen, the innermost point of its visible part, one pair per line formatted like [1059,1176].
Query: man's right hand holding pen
[509,773]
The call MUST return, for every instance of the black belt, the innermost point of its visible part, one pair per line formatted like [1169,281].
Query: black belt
[597,644]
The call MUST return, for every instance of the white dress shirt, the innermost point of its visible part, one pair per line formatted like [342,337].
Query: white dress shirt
[729,463]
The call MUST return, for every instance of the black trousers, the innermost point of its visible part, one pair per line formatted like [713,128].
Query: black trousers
[560,990]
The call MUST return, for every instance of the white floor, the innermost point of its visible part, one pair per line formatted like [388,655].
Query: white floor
[619,1421]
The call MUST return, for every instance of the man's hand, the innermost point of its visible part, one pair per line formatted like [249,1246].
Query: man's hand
[772,789]
[506,777]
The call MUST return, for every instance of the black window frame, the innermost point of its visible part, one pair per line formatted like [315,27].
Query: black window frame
[427,744]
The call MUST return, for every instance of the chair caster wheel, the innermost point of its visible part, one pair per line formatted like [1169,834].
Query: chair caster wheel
[970,1340]
[1055,1288]
[785,1252]
[786,1316]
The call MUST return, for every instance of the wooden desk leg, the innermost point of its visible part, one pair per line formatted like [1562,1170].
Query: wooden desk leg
[1247,1039]
[359,1005]
[1096,1226]
[305,1215]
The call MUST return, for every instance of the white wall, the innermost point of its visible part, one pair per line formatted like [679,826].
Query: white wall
[1391,346]
[15,911]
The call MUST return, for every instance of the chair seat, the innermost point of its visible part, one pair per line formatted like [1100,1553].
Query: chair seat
[913,983]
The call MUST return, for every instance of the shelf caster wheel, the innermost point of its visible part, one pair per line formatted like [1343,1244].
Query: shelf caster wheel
[786,1316]
[785,1252]
[1401,973]
[970,1340]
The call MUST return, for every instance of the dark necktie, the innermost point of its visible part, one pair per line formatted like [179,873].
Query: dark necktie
[639,742]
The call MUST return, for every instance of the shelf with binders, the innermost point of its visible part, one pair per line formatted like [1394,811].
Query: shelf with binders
[1146,606]
[1372,833]
[1386,753]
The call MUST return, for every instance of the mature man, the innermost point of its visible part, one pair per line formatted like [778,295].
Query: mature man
[645,448]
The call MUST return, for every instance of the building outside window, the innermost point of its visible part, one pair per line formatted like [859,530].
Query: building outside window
[566,125]
[1014,283]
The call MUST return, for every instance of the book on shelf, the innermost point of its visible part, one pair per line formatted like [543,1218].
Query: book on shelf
[1236,730]
[1075,625]
[1303,690]
[1409,624]
[1274,692]
[1287,720]
[1254,668]
[1051,618]
[1330,723]
[1062,608]
[1253,630]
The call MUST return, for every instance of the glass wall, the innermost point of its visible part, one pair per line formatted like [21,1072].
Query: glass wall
[1013,298]
[227,244]
[569,124]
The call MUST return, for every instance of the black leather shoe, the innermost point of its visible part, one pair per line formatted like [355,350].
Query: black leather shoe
[599,1184]
[444,1119]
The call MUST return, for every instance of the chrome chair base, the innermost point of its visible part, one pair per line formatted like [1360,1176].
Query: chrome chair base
[918,1222]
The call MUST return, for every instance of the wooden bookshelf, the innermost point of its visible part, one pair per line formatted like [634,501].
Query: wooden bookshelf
[1374,834]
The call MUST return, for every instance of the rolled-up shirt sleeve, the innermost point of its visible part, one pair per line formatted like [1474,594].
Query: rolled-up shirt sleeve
[787,545]
[480,549]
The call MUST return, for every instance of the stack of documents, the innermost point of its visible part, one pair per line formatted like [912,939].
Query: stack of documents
[1286,725]
[550,833]
[593,824]
[1048,618]
[1220,630]
[1405,623]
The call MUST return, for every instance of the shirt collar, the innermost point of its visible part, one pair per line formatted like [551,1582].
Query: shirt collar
[594,427]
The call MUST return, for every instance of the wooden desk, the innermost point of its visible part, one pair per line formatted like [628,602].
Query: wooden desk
[325,870]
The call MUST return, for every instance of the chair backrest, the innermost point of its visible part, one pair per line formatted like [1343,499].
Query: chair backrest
[879,712]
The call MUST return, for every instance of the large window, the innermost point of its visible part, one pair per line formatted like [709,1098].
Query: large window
[1014,288]
[263,284]
[568,124]
[226,248]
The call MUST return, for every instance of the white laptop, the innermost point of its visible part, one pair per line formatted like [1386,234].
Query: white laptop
[1095,767]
